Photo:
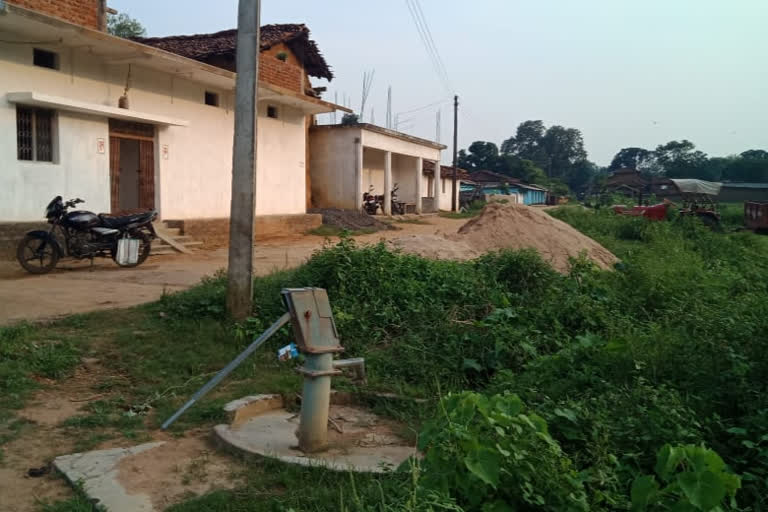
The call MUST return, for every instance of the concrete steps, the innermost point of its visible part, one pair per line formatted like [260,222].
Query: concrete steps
[160,247]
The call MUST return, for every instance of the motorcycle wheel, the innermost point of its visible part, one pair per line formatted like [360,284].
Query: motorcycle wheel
[36,255]
[145,245]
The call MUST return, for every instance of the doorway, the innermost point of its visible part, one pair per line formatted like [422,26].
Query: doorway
[131,166]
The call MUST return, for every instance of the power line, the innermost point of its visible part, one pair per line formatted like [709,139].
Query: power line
[424,23]
[425,107]
[427,41]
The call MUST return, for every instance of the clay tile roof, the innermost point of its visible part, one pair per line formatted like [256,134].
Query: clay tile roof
[484,176]
[446,171]
[206,46]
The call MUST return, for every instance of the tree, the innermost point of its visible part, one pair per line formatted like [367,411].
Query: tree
[631,158]
[122,25]
[755,154]
[527,142]
[564,147]
[750,166]
[580,175]
[480,155]
[680,159]
[524,170]
[554,149]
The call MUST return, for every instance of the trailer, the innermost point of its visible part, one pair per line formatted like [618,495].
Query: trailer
[756,215]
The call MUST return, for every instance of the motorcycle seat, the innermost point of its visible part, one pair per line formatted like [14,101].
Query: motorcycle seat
[118,221]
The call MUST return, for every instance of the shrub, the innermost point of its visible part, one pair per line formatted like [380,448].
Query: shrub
[491,453]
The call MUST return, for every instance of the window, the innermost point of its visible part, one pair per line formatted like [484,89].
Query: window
[443,180]
[211,98]
[272,111]
[45,59]
[34,134]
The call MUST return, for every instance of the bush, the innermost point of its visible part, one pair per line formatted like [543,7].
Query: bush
[491,453]
[669,348]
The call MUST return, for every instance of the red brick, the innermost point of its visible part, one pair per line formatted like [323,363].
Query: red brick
[81,12]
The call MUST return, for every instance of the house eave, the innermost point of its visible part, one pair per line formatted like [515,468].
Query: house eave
[37,99]
[384,131]
[55,32]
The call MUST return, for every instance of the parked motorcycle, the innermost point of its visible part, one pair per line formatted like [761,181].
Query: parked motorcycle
[127,239]
[370,202]
[398,208]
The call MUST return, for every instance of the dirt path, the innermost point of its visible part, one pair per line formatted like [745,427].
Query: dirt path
[76,288]
[193,465]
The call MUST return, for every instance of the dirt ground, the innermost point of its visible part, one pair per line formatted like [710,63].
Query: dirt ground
[192,466]
[75,287]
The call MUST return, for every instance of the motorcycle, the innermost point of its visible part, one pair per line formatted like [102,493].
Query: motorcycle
[370,202]
[398,208]
[127,239]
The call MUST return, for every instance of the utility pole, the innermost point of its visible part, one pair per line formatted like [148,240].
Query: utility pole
[389,107]
[242,208]
[455,151]
[336,101]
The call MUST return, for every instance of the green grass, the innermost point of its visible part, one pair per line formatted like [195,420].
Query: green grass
[329,230]
[28,354]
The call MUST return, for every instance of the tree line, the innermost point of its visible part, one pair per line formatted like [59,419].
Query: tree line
[555,157]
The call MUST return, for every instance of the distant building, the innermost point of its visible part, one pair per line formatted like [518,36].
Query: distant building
[738,191]
[631,183]
[493,183]
[349,160]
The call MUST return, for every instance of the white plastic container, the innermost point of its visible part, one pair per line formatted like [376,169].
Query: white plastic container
[127,251]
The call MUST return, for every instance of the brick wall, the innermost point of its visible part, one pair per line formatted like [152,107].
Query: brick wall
[214,233]
[87,13]
[282,74]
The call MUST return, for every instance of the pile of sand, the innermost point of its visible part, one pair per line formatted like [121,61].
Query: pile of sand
[434,247]
[510,226]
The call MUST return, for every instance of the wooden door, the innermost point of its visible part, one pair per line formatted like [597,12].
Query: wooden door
[146,174]
[114,174]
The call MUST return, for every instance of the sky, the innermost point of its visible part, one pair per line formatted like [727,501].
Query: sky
[624,72]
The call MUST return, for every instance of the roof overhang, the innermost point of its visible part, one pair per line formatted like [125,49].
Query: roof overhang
[56,102]
[307,104]
[378,129]
[50,32]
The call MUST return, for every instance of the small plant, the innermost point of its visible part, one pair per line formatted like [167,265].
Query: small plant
[491,453]
[466,212]
[694,478]
[282,56]
[350,119]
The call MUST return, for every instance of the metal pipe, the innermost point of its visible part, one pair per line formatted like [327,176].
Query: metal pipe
[358,363]
[315,402]
[231,366]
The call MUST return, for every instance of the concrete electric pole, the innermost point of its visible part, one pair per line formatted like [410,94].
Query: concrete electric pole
[242,210]
[454,206]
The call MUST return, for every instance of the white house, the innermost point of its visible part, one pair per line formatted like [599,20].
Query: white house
[442,190]
[348,160]
[62,131]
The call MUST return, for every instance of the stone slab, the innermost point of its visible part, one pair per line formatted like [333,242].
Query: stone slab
[273,435]
[97,473]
